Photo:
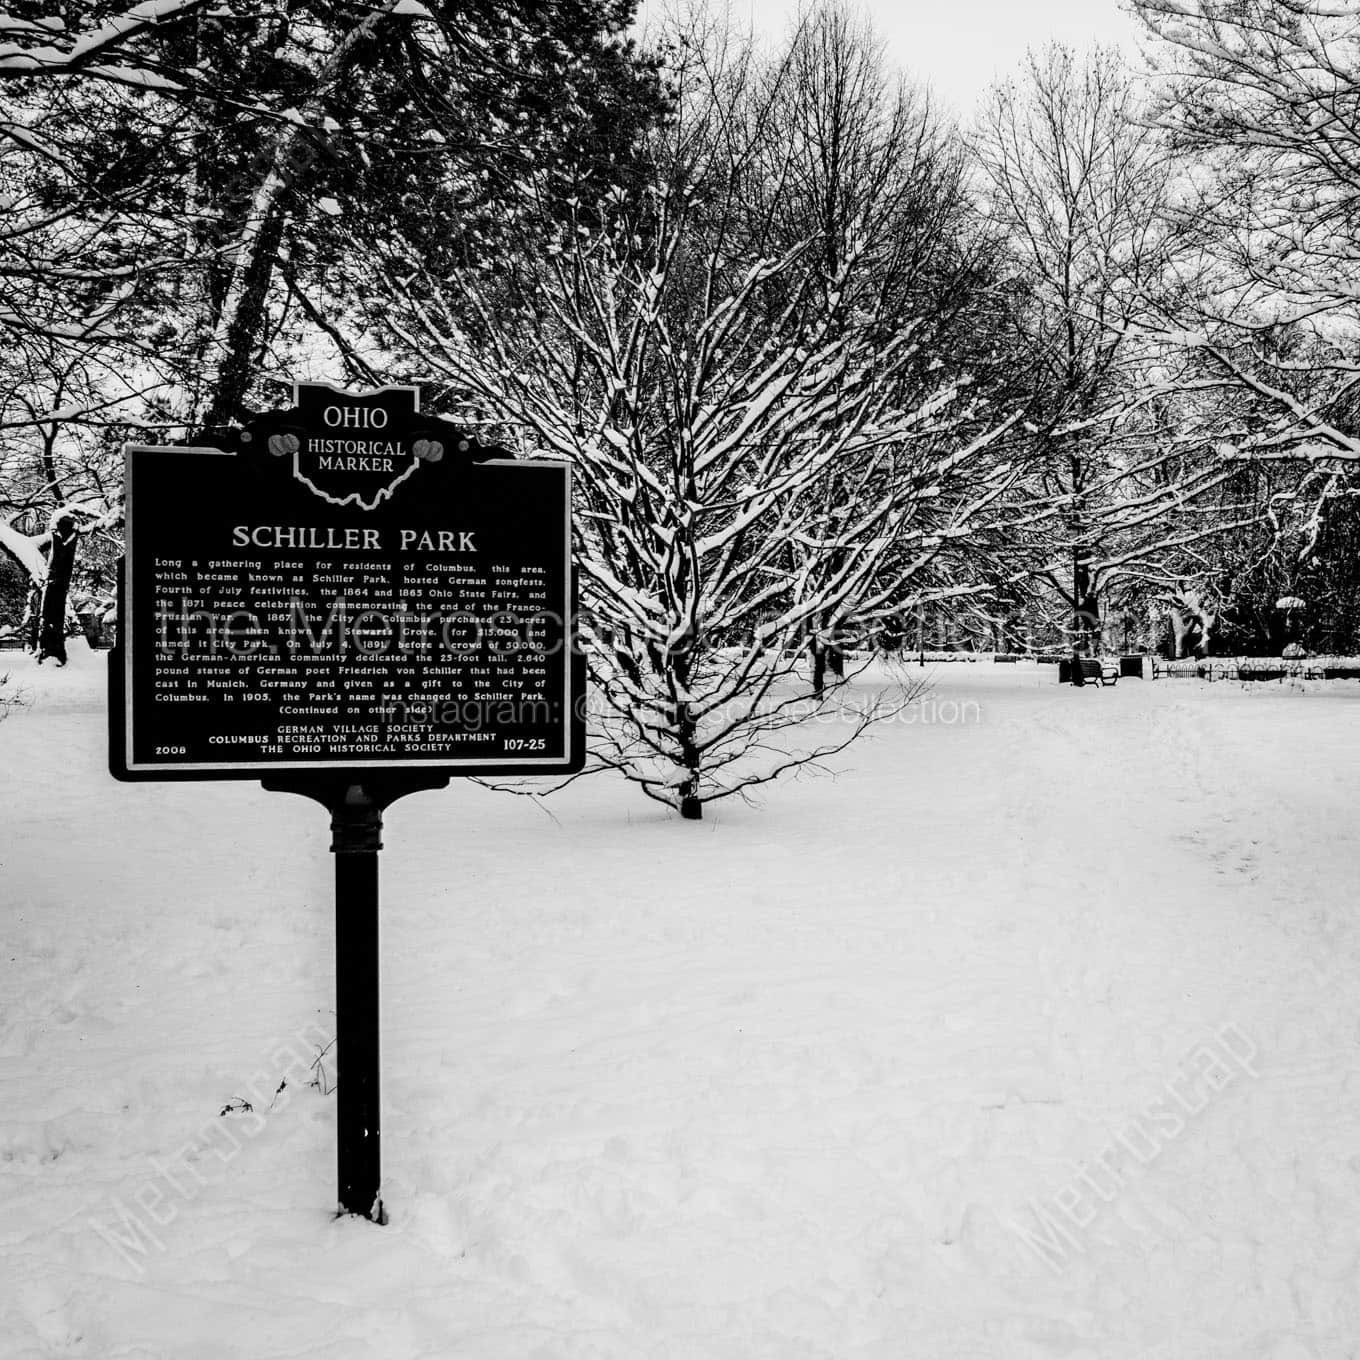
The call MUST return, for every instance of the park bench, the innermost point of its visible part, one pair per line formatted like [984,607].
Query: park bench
[1097,669]
[1092,668]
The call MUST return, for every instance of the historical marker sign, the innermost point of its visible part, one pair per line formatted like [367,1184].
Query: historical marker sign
[351,587]
[350,601]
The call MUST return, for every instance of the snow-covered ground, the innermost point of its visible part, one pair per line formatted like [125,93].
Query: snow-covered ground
[1034,1032]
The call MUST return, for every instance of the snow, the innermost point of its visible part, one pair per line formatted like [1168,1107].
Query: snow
[27,551]
[110,36]
[887,1067]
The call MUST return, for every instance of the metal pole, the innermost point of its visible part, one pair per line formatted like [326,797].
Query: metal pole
[356,827]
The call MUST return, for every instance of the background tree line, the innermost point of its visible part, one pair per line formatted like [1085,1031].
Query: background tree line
[826,363]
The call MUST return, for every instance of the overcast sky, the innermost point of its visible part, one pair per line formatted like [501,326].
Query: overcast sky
[960,46]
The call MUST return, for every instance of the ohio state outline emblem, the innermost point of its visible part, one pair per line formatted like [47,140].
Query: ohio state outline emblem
[354,448]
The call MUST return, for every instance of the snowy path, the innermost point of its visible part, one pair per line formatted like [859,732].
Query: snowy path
[1032,1035]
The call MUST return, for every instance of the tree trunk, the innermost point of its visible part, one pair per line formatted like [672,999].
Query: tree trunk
[1180,632]
[246,326]
[1086,611]
[60,564]
[691,805]
[242,318]
[818,653]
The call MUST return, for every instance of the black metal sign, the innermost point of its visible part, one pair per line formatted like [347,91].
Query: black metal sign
[350,601]
[352,586]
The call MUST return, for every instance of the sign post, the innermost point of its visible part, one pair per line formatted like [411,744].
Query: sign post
[356,838]
[356,827]
[350,601]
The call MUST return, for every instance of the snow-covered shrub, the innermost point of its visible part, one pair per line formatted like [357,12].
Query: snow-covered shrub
[769,461]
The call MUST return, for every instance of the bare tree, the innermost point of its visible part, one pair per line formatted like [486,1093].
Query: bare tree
[851,160]
[171,180]
[59,484]
[1078,188]
[181,171]
[746,464]
[1262,96]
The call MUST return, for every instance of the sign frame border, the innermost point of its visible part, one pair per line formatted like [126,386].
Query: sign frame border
[120,681]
